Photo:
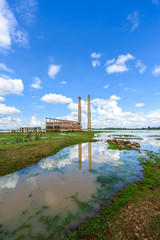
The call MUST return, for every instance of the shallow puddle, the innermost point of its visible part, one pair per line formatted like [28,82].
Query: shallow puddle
[42,201]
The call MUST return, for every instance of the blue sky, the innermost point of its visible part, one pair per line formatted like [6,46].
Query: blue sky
[51,52]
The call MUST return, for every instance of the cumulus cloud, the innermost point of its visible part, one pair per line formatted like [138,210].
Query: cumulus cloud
[139,104]
[118,65]
[2,99]
[133,20]
[4,110]
[115,98]
[3,67]
[37,83]
[10,31]
[74,106]
[95,63]
[116,68]
[142,67]
[53,70]
[96,55]
[9,122]
[11,86]
[56,98]
[109,62]
[107,113]
[156,71]
[35,122]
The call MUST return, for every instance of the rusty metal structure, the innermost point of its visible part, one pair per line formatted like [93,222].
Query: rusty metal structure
[60,125]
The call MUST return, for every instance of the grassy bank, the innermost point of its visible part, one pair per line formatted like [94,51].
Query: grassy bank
[20,150]
[134,212]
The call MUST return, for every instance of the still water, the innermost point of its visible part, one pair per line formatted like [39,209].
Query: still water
[42,201]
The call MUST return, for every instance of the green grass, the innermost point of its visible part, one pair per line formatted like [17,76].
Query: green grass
[16,156]
[116,147]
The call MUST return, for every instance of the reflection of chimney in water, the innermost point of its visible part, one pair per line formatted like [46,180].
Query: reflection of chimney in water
[80,155]
[90,156]
[79,110]
[89,114]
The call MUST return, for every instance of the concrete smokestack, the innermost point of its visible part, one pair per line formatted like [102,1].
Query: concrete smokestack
[79,110]
[89,114]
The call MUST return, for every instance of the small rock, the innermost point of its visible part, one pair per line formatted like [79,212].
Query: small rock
[136,144]
[128,145]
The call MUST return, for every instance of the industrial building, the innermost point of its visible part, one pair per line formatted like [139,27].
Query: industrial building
[56,125]
[60,125]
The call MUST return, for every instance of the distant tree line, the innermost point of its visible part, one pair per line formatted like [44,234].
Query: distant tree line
[144,128]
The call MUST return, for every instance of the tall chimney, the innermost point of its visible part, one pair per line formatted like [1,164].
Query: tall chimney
[89,114]
[79,110]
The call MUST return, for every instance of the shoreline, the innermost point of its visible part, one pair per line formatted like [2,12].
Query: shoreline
[15,157]
[134,212]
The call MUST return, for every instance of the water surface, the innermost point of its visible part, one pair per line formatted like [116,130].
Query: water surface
[41,201]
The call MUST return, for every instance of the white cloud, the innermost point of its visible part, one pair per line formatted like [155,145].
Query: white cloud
[53,70]
[26,10]
[119,64]
[115,98]
[9,123]
[56,98]
[11,86]
[35,122]
[10,31]
[96,55]
[106,86]
[4,110]
[3,67]
[74,106]
[2,99]
[156,71]
[116,68]
[156,2]
[122,59]
[63,82]
[142,67]
[107,113]
[133,20]
[109,62]
[95,63]
[139,104]
[37,83]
